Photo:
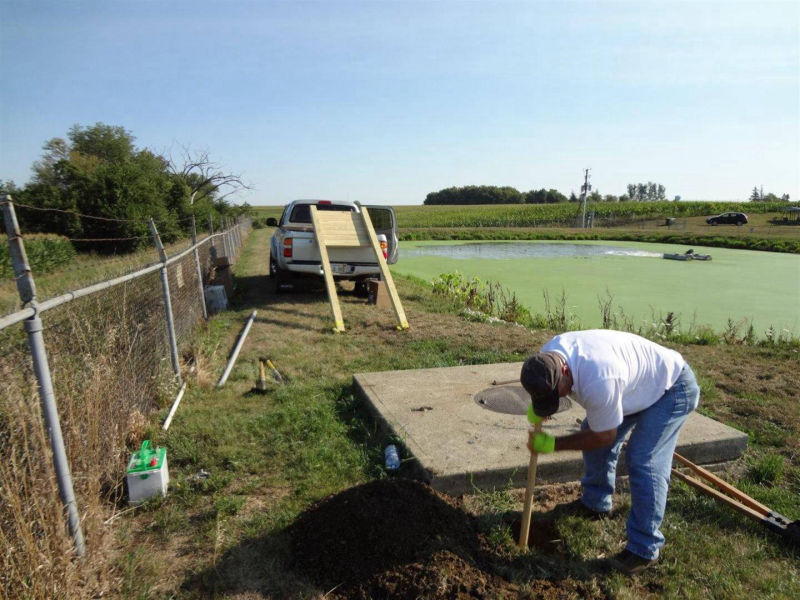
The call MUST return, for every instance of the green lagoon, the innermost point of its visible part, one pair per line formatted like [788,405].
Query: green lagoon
[761,287]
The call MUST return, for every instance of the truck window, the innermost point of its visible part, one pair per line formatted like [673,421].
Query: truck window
[302,212]
[381,218]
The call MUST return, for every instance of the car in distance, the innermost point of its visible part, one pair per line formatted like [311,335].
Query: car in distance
[728,218]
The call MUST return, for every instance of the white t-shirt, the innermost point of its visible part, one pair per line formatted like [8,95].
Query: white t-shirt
[615,373]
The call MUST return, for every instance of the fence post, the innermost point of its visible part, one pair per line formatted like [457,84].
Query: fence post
[232,240]
[199,269]
[225,242]
[173,345]
[33,326]
[213,248]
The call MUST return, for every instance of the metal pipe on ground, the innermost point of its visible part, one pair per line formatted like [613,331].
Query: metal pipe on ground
[237,348]
[172,410]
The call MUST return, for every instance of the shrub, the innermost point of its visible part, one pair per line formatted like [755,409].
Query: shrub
[45,253]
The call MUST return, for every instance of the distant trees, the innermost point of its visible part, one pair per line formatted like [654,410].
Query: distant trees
[488,194]
[485,194]
[646,192]
[757,195]
[543,196]
[476,194]
[98,171]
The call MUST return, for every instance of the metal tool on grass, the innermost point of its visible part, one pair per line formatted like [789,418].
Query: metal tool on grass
[261,384]
[738,500]
[275,373]
[525,525]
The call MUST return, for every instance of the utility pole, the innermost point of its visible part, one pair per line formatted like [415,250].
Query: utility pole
[585,189]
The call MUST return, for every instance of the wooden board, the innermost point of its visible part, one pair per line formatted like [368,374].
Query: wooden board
[345,229]
[385,274]
[330,286]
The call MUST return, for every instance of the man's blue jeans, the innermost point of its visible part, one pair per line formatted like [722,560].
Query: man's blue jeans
[649,460]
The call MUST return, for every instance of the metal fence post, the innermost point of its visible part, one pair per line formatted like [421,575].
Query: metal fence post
[231,241]
[199,269]
[33,326]
[213,248]
[225,247]
[173,345]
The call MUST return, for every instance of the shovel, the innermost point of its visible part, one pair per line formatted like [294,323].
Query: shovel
[738,500]
[526,509]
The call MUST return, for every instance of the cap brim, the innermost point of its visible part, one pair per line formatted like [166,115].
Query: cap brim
[545,405]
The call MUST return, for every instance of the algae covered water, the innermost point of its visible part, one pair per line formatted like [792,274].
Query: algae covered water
[745,286]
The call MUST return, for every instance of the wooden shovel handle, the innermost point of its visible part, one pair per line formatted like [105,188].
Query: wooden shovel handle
[733,503]
[525,525]
[723,485]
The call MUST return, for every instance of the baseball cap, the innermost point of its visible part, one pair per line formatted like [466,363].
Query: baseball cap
[540,376]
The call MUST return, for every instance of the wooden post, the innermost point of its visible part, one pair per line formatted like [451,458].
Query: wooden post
[326,270]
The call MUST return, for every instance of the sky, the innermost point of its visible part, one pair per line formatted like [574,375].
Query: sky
[384,102]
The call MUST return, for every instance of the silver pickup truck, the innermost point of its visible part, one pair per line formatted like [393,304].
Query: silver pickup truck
[294,251]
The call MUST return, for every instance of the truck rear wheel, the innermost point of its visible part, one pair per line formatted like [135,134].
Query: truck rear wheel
[282,278]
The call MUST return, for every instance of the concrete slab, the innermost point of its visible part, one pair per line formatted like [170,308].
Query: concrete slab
[458,444]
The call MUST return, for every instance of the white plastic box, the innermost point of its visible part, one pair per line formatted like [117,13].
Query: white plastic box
[147,474]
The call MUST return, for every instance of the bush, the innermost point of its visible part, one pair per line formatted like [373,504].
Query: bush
[45,253]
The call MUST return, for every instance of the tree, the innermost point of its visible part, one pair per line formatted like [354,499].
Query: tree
[544,196]
[646,192]
[755,195]
[204,178]
[475,194]
[100,173]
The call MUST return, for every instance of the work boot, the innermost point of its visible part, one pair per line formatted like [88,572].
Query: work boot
[628,563]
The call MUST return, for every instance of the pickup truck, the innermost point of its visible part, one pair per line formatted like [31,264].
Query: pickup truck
[294,251]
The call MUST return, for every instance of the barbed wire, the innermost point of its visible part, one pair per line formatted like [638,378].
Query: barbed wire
[109,219]
[76,213]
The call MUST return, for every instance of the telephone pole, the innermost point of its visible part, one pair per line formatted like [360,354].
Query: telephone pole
[585,189]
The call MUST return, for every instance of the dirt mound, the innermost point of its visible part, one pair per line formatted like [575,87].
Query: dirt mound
[394,539]
[443,576]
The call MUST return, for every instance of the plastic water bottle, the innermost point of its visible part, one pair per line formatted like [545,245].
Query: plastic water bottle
[391,458]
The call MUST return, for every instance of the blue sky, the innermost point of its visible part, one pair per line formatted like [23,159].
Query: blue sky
[384,102]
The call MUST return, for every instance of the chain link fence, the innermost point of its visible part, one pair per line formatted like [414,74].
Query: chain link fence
[109,356]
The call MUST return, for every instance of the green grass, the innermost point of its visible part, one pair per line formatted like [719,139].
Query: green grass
[271,456]
[761,288]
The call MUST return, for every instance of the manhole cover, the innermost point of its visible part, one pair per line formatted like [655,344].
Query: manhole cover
[511,400]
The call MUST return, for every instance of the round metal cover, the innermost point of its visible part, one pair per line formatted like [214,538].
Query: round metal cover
[511,400]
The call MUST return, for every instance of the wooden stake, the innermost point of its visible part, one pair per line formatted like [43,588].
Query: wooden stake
[526,508]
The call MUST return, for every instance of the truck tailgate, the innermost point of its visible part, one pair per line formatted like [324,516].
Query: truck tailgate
[306,249]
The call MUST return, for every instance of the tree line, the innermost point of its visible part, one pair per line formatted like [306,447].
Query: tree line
[488,194]
[104,190]
[636,192]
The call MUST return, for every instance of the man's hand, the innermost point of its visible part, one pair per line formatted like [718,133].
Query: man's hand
[543,443]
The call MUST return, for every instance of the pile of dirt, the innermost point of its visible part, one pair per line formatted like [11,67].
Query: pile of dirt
[394,538]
